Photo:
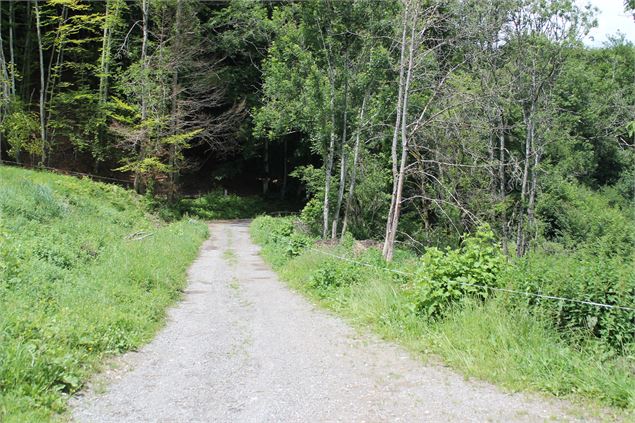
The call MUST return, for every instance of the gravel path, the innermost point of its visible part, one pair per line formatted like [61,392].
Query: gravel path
[241,347]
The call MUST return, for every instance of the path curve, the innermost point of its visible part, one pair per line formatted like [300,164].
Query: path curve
[242,347]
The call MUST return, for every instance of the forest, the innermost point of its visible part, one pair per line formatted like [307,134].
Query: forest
[407,122]
[483,138]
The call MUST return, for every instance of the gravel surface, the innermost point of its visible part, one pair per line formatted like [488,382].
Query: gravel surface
[242,347]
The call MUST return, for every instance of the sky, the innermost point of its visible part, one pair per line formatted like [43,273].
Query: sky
[611,18]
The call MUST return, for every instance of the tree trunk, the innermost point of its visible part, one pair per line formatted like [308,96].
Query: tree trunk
[395,135]
[343,164]
[520,237]
[502,184]
[144,105]
[265,180]
[329,158]
[174,172]
[532,195]
[327,183]
[11,47]
[26,59]
[51,76]
[42,86]
[105,55]
[351,189]
[389,242]
[4,87]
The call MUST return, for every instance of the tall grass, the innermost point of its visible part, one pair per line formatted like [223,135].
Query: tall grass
[85,272]
[492,340]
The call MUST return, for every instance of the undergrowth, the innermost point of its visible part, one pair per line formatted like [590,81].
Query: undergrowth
[492,337]
[217,205]
[85,272]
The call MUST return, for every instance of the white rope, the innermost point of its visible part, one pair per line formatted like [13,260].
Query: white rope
[511,291]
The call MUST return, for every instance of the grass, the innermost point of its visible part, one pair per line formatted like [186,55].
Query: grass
[490,341]
[216,205]
[85,272]
[230,257]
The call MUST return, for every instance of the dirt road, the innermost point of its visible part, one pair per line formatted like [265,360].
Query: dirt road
[241,347]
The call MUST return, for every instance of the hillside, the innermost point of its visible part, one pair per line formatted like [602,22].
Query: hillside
[83,274]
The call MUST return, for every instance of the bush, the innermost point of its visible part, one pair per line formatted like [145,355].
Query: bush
[311,214]
[573,215]
[585,275]
[333,274]
[449,276]
[279,239]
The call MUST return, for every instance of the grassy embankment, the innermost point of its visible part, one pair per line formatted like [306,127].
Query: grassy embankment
[85,272]
[496,338]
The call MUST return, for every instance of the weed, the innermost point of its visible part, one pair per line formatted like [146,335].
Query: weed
[233,284]
[230,256]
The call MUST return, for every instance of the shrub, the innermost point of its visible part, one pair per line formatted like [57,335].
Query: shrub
[312,214]
[585,275]
[449,276]
[574,215]
[296,244]
[333,274]
[279,238]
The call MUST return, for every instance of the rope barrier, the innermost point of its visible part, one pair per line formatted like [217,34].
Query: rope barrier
[511,291]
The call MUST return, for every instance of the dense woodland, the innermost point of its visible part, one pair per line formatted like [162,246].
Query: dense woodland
[413,121]
[481,140]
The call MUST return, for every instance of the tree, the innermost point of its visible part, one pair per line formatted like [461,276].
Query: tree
[538,39]
[426,65]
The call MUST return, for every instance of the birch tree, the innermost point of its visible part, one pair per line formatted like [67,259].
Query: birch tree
[425,65]
[42,105]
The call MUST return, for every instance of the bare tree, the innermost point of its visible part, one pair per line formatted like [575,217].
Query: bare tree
[42,84]
[427,63]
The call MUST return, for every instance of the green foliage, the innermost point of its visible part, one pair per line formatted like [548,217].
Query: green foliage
[453,275]
[312,214]
[331,274]
[22,131]
[517,349]
[217,205]
[278,235]
[498,340]
[371,198]
[576,216]
[31,201]
[586,275]
[75,286]
[313,180]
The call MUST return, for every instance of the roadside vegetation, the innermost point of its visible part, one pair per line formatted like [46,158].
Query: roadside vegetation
[472,143]
[85,272]
[430,306]
[218,205]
